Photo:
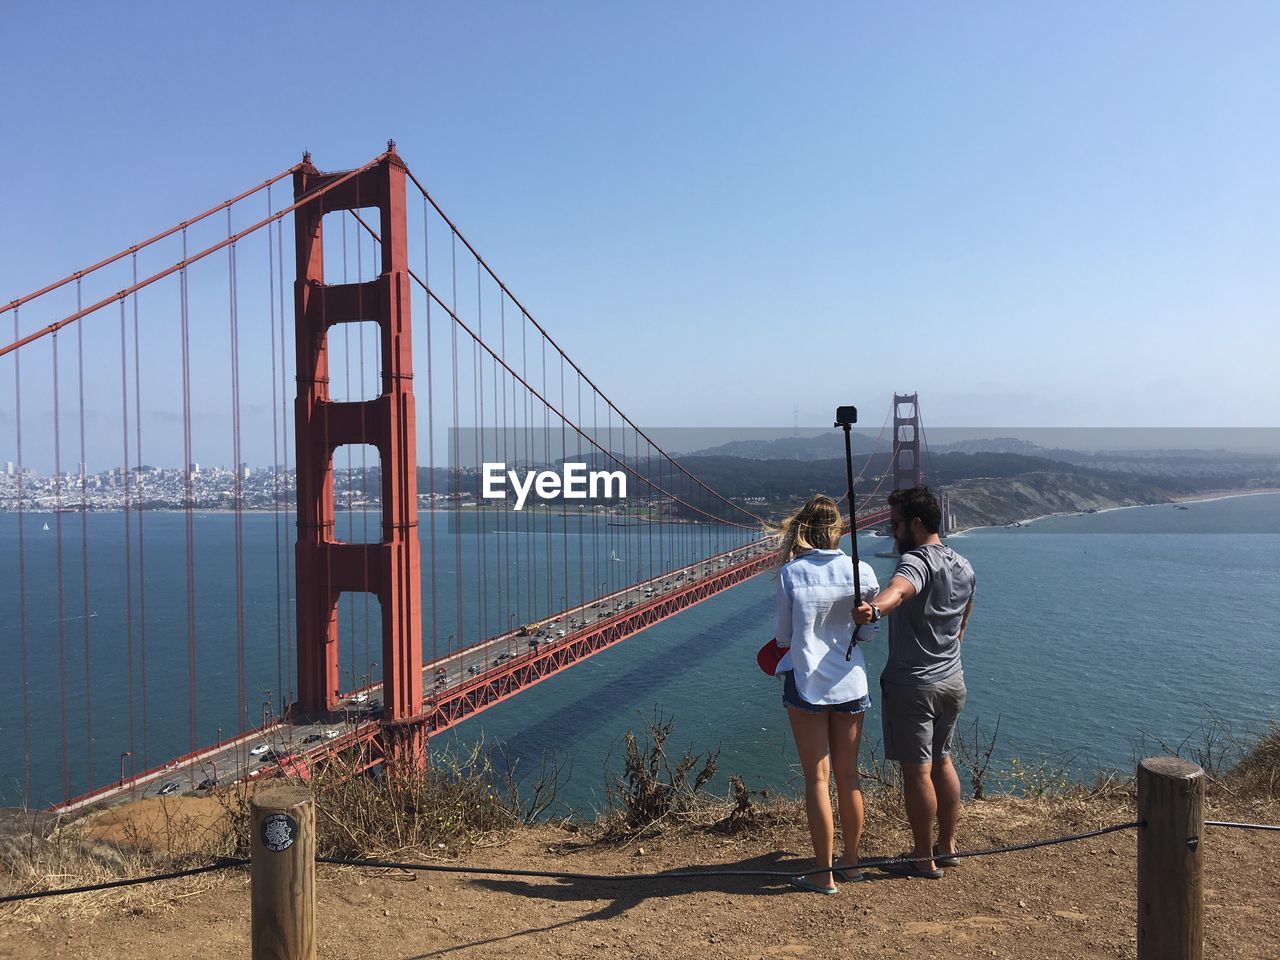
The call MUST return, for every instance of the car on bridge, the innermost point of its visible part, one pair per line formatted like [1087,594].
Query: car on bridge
[259,750]
[171,787]
[208,783]
[311,738]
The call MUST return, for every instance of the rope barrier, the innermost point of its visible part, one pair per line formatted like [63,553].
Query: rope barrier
[222,864]
[873,863]
[1242,826]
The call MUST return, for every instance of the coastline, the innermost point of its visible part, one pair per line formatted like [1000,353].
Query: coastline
[1205,497]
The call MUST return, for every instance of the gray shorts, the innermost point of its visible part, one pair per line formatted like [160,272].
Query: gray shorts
[918,720]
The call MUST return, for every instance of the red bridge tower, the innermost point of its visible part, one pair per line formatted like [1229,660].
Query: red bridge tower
[906,441]
[391,568]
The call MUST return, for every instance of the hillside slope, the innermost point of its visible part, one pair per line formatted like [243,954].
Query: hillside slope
[992,501]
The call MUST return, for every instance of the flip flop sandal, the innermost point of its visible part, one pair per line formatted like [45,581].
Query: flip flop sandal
[944,859]
[847,874]
[804,883]
[911,868]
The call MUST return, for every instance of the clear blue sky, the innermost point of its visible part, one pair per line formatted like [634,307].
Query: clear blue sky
[1034,214]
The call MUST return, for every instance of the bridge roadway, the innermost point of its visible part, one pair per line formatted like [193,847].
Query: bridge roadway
[474,679]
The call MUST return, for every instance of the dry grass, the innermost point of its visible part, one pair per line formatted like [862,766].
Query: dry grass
[48,854]
[457,802]
[1257,774]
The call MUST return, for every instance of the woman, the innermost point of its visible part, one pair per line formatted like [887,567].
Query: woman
[825,694]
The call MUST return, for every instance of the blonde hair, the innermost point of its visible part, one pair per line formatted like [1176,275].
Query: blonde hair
[815,526]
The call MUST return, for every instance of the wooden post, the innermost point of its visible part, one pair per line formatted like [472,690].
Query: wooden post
[1170,860]
[283,874]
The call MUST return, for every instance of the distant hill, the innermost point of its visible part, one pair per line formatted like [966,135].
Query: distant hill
[784,481]
[996,501]
[821,447]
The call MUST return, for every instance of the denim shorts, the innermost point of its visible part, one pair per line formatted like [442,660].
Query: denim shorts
[791,698]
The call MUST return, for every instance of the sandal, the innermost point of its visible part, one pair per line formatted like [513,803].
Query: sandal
[804,883]
[944,859]
[911,868]
[847,874]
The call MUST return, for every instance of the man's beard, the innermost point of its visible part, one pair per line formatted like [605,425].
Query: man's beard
[905,541]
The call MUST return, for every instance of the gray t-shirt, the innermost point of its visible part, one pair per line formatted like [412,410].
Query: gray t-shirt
[924,632]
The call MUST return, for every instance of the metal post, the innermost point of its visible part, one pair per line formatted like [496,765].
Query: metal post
[283,875]
[1170,859]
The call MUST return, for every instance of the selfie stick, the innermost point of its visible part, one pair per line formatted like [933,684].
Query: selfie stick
[846,417]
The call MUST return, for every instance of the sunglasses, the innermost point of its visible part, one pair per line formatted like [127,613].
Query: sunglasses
[894,521]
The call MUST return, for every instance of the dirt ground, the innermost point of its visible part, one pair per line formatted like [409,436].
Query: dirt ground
[1070,901]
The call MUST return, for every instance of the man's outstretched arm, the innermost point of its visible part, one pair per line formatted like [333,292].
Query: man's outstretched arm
[897,592]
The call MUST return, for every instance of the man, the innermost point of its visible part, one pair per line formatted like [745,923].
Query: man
[927,601]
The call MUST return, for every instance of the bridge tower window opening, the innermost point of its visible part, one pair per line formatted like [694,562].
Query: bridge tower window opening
[355,361]
[352,253]
[359,618]
[356,469]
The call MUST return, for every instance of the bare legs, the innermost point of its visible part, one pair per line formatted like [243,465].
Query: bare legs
[845,734]
[946,785]
[931,792]
[827,741]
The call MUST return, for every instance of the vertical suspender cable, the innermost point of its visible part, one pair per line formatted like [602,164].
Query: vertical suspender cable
[546,448]
[504,621]
[582,533]
[431,438]
[142,580]
[84,559]
[564,503]
[22,572]
[649,491]
[275,448]
[189,504]
[128,535]
[506,454]
[477,417]
[237,487]
[455,468]
[526,409]
[284,459]
[62,638]
[346,364]
[596,582]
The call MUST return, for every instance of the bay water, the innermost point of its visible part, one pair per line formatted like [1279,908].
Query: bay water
[1093,639]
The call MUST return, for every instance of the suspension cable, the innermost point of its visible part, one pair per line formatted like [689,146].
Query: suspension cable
[549,339]
[77,275]
[193,258]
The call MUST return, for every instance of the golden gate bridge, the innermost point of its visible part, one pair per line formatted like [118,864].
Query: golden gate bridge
[420,362]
